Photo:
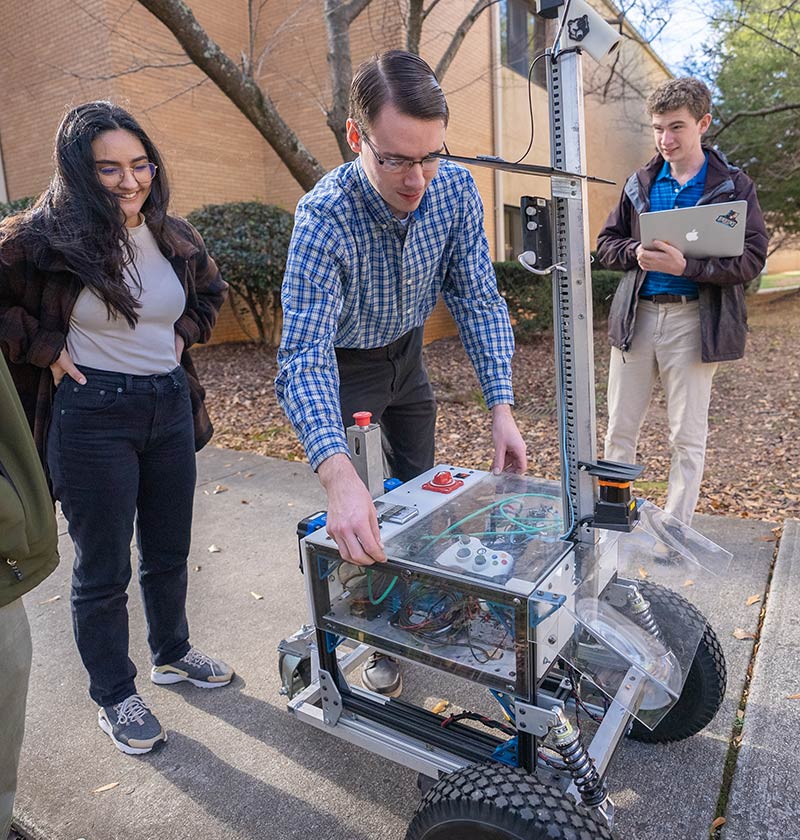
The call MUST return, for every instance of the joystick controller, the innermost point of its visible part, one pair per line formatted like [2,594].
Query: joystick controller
[470,555]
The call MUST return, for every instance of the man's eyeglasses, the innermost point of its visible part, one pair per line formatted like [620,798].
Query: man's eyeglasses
[397,165]
[113,175]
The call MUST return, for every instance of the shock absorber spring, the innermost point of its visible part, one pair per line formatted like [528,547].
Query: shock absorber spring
[567,740]
[641,613]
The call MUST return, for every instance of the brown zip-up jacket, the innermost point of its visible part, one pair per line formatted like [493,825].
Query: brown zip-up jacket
[723,314]
[36,301]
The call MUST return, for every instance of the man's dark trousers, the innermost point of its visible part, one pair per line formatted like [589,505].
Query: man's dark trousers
[391,382]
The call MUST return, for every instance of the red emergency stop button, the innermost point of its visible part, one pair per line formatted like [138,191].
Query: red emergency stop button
[443,482]
[362,418]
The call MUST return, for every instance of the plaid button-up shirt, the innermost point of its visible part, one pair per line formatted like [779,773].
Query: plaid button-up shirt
[357,277]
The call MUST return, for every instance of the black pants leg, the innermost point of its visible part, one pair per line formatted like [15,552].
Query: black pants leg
[120,447]
[392,383]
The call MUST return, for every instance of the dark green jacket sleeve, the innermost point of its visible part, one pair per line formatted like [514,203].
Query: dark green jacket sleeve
[28,533]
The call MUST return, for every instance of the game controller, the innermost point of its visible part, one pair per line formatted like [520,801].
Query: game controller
[469,554]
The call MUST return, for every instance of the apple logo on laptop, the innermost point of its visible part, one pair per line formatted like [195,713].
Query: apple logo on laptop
[692,236]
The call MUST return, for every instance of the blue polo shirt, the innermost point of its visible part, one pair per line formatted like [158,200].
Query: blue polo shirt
[667,194]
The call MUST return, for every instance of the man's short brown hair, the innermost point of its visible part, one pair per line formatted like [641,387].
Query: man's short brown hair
[679,93]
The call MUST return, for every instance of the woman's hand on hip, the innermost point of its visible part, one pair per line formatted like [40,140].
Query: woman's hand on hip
[64,365]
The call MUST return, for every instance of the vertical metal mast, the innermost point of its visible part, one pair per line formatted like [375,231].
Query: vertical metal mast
[572,290]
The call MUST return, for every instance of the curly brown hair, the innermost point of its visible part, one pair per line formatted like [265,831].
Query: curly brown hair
[678,93]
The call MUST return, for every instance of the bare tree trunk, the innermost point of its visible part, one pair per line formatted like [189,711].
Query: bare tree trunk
[414,25]
[241,89]
[338,18]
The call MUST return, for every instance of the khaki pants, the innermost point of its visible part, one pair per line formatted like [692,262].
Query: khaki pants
[665,346]
[15,668]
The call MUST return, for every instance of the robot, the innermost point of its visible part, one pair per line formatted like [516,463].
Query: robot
[557,597]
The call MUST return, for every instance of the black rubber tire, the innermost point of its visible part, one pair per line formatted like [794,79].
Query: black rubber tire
[704,690]
[496,802]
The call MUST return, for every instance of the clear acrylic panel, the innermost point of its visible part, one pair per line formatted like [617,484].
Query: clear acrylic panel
[505,526]
[633,629]
[431,620]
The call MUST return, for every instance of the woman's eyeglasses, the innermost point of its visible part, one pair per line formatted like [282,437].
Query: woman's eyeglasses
[113,175]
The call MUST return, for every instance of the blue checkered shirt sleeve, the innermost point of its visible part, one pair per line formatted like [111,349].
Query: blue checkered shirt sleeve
[308,382]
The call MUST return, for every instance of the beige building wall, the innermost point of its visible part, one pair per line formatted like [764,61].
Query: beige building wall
[617,137]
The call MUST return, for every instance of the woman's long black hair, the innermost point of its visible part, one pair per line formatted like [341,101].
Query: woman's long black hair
[79,219]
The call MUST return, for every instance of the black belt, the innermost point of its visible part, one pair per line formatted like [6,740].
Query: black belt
[669,298]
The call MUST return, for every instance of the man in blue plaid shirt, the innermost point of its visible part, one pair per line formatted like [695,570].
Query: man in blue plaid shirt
[374,244]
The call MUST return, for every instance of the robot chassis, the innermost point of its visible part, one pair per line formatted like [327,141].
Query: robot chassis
[547,593]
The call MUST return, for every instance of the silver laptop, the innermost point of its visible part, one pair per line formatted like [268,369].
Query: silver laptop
[710,230]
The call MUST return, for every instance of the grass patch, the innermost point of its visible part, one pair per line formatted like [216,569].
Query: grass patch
[651,486]
[785,280]
[267,434]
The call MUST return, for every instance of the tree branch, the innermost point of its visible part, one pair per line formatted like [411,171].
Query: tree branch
[761,112]
[458,37]
[338,17]
[245,94]
[744,25]
[416,15]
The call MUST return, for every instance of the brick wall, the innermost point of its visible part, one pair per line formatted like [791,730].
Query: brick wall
[77,52]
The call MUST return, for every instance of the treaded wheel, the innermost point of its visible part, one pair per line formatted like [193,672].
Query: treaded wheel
[496,802]
[704,690]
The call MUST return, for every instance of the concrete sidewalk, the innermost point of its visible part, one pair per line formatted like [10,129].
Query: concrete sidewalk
[237,766]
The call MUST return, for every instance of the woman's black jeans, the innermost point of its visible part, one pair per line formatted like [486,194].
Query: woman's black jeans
[121,448]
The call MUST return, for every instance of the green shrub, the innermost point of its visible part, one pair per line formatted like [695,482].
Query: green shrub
[530,297]
[9,208]
[249,242]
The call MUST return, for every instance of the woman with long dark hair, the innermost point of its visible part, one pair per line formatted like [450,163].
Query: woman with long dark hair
[101,293]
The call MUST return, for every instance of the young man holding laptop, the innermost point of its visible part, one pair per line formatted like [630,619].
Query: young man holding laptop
[675,316]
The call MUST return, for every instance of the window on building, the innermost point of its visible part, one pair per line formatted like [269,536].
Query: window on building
[523,36]
[512,230]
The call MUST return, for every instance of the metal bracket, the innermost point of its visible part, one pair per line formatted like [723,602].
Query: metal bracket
[331,699]
[565,188]
[551,598]
[534,719]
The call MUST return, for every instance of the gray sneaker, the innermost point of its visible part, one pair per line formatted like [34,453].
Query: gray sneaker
[197,668]
[131,725]
[381,673]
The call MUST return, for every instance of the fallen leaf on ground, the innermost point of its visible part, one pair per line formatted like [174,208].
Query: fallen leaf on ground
[440,707]
[718,822]
[220,488]
[257,596]
[688,582]
[50,600]
[738,633]
[753,599]
[793,697]
[643,572]
[214,549]
[109,786]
